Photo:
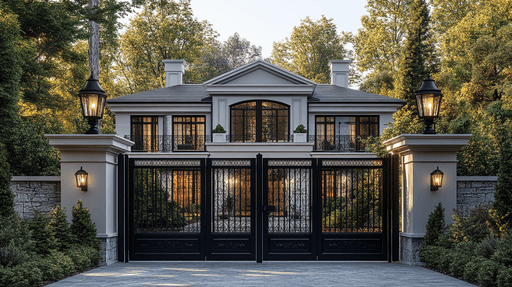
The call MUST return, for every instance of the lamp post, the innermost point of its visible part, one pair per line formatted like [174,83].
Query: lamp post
[428,99]
[92,97]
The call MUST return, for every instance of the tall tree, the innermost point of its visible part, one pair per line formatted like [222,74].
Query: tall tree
[162,30]
[308,50]
[378,44]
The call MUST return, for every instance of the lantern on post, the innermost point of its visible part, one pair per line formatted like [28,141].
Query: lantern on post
[81,179]
[428,99]
[436,179]
[92,100]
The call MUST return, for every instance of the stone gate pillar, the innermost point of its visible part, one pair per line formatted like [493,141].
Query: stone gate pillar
[421,154]
[97,155]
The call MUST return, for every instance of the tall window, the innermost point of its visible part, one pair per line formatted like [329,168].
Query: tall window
[144,132]
[260,121]
[189,132]
[344,132]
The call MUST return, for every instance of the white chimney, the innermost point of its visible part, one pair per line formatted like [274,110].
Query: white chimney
[174,70]
[339,72]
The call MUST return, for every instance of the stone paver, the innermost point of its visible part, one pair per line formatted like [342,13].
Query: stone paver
[247,274]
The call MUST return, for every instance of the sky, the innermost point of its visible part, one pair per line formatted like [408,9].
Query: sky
[263,22]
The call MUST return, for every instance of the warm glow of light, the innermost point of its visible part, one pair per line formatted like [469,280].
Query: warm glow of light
[93,106]
[82,180]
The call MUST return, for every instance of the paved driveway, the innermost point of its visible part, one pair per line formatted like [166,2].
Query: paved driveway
[275,274]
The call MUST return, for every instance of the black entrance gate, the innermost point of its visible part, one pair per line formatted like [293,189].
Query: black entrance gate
[260,209]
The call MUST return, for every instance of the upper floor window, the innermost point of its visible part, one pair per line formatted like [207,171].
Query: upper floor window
[260,121]
[188,132]
[344,133]
[144,132]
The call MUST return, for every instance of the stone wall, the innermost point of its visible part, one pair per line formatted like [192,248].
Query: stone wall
[475,190]
[41,193]
[108,250]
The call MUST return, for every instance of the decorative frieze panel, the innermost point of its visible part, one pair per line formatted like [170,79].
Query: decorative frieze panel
[167,162]
[352,162]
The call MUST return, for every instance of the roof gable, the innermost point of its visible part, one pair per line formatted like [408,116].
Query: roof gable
[259,77]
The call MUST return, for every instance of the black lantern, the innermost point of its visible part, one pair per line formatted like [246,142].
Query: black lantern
[436,179]
[81,179]
[428,99]
[92,99]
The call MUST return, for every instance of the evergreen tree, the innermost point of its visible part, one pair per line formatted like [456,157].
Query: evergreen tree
[42,234]
[60,228]
[83,229]
[412,71]
[6,195]
[503,194]
[435,226]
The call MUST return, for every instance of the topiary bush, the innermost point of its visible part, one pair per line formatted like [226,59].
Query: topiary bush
[504,277]
[60,228]
[503,253]
[463,253]
[82,227]
[435,226]
[300,129]
[42,234]
[219,130]
[472,267]
[487,272]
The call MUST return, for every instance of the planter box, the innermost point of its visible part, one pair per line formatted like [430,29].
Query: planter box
[300,137]
[219,138]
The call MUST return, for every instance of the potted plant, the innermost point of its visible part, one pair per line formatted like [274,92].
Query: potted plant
[219,134]
[300,134]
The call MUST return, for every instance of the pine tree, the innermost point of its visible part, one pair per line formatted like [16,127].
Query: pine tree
[435,226]
[503,194]
[83,229]
[60,228]
[42,234]
[412,71]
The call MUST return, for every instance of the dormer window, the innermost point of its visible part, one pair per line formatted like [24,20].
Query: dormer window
[260,121]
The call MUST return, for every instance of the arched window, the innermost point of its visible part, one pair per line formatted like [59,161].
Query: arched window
[260,121]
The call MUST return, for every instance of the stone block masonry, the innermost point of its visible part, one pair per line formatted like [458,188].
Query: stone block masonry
[108,250]
[35,193]
[475,190]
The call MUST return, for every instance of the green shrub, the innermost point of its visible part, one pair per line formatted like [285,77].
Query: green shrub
[15,235]
[504,278]
[487,247]
[60,228]
[11,256]
[83,256]
[22,275]
[219,130]
[488,272]
[300,129]
[463,253]
[471,225]
[503,252]
[83,229]
[472,267]
[6,195]
[42,234]
[435,226]
[431,254]
[55,265]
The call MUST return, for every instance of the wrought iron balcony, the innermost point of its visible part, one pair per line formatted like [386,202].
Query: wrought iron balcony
[167,143]
[252,138]
[338,143]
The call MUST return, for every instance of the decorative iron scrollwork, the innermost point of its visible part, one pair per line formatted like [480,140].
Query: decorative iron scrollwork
[354,162]
[290,245]
[167,162]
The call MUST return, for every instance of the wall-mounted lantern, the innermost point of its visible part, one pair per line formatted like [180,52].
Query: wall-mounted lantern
[428,99]
[436,179]
[92,99]
[81,179]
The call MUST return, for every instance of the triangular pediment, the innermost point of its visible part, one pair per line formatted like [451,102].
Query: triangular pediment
[259,77]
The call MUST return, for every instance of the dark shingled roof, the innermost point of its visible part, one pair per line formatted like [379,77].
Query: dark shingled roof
[174,94]
[335,94]
[198,94]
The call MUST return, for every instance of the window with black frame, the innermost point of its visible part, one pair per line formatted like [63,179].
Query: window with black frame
[344,133]
[260,121]
[144,132]
[188,133]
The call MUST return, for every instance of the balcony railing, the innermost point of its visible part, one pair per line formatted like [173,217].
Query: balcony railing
[252,138]
[338,143]
[167,143]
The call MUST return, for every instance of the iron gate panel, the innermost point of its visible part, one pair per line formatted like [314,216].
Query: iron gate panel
[166,209]
[231,232]
[288,230]
[353,204]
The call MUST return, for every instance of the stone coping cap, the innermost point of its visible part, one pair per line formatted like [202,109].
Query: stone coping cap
[477,178]
[90,142]
[407,143]
[35,178]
